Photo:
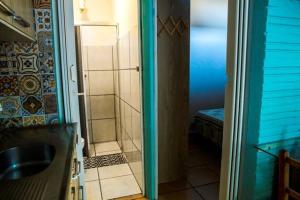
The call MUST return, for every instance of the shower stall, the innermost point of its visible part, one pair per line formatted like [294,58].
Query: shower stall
[109,89]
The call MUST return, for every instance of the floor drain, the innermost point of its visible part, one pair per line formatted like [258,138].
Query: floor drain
[104,161]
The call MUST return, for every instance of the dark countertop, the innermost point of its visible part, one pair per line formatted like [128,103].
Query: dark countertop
[53,182]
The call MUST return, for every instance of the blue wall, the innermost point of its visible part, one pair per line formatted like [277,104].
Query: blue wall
[207,68]
[273,93]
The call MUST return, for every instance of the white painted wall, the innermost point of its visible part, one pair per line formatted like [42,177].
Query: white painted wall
[97,11]
[125,14]
[209,13]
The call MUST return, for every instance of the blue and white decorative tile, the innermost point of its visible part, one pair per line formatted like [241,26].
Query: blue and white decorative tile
[46,62]
[50,103]
[34,120]
[2,49]
[7,49]
[25,47]
[9,86]
[8,67]
[52,119]
[7,59]
[30,84]
[3,63]
[32,105]
[11,122]
[49,84]
[45,42]
[43,20]
[27,63]
[11,107]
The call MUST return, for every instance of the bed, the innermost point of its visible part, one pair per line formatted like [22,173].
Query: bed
[210,124]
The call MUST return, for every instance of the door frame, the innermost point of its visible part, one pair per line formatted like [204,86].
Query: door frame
[235,105]
[66,77]
[64,42]
[235,91]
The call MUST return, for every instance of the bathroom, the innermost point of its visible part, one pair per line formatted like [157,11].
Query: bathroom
[108,59]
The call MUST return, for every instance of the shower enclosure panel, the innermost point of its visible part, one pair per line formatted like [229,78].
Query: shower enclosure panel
[96,62]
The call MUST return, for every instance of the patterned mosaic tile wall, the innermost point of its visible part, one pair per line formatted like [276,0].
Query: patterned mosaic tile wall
[27,76]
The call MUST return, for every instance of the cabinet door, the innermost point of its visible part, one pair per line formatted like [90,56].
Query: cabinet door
[3,15]
[19,8]
[28,16]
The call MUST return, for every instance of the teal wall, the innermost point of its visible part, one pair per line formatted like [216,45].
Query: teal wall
[273,112]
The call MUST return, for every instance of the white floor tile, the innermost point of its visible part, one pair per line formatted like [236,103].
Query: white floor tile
[108,152]
[119,187]
[91,174]
[93,190]
[106,146]
[114,171]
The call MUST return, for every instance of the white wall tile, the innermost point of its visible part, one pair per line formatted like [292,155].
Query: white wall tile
[116,82]
[118,119]
[90,131]
[86,82]
[90,35]
[100,57]
[124,52]
[127,143]
[136,129]
[88,107]
[106,147]
[101,82]
[122,114]
[104,130]
[134,47]
[84,58]
[128,116]
[125,85]
[115,57]
[109,153]
[135,89]
[102,107]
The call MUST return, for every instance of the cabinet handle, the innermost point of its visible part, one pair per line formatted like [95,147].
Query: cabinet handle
[82,192]
[77,170]
[5,8]
[21,21]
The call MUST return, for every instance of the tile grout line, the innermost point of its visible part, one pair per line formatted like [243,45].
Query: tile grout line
[115,176]
[99,182]
[194,189]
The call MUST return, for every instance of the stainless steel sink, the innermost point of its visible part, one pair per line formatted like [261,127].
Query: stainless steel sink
[24,161]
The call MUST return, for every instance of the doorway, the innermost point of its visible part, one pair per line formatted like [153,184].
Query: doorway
[208,78]
[208,46]
[109,93]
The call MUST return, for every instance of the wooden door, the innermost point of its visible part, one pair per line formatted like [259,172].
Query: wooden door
[173,87]
[28,16]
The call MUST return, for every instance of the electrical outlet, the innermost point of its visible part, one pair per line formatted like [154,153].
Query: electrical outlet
[1,109]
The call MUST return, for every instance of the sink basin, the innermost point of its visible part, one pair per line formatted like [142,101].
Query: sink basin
[25,161]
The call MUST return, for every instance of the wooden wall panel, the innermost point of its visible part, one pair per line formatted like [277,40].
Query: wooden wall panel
[280,116]
[173,91]
[279,112]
